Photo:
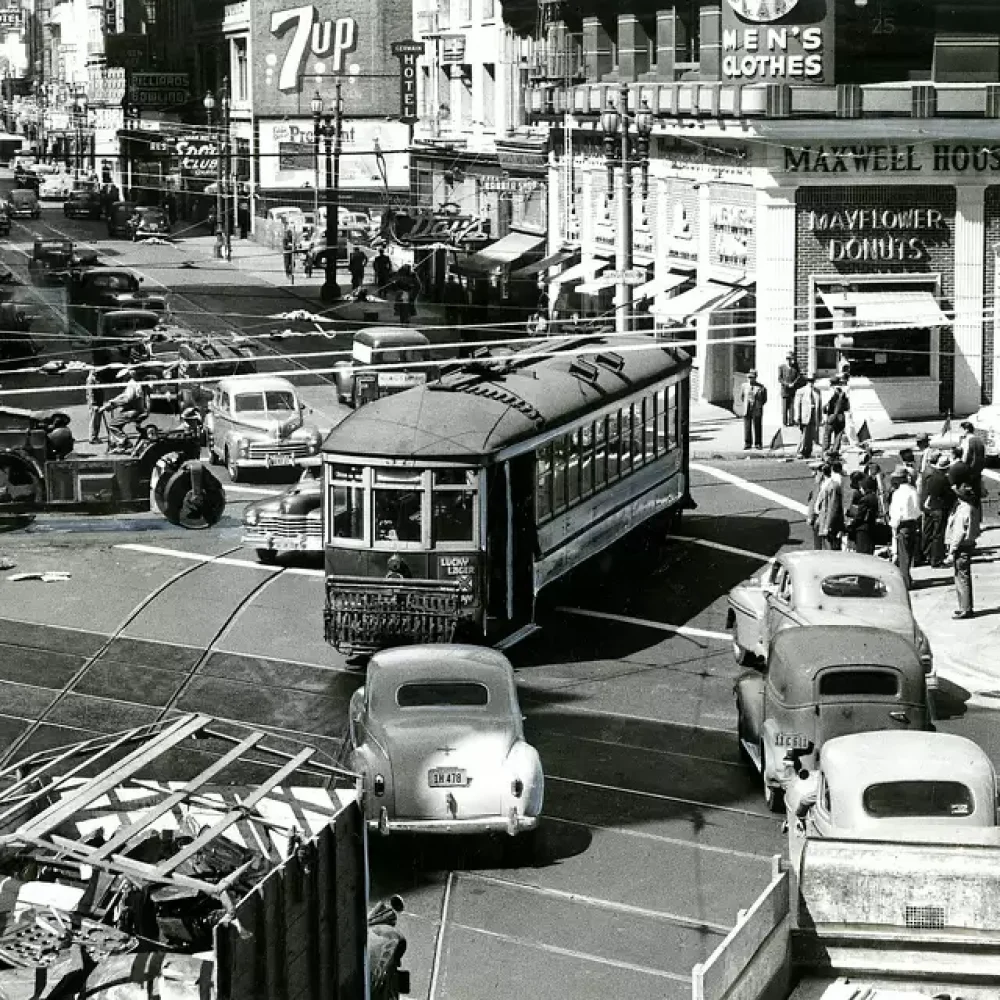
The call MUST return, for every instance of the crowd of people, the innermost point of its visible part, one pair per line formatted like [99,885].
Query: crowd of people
[927,511]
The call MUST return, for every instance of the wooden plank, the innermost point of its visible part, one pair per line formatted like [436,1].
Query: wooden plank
[63,810]
[234,815]
[137,828]
[52,786]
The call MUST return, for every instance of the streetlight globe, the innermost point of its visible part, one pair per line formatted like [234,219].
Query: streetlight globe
[316,105]
[209,102]
[644,119]
[610,120]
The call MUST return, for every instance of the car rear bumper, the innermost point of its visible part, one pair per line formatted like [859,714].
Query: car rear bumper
[511,824]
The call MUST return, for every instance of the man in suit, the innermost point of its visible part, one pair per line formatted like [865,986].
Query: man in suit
[974,456]
[937,503]
[835,416]
[808,413]
[753,397]
[790,379]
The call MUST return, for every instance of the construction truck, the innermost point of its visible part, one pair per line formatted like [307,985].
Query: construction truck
[866,920]
[193,859]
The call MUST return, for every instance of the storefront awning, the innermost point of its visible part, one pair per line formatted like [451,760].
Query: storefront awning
[904,309]
[586,270]
[505,250]
[704,298]
[661,283]
[544,264]
[597,284]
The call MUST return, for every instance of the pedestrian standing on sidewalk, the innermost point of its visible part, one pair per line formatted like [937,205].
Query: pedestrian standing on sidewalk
[382,269]
[808,413]
[866,515]
[356,265]
[95,403]
[835,417]
[937,502]
[904,519]
[753,398]
[790,379]
[963,530]
[288,248]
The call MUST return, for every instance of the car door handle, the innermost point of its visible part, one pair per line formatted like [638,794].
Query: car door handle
[900,717]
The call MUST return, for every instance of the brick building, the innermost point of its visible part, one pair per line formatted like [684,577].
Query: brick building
[823,178]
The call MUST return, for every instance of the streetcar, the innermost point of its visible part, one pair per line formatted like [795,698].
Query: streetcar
[447,508]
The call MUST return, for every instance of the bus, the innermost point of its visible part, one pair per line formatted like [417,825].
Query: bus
[447,508]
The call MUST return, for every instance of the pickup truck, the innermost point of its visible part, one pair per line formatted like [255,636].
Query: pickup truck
[866,920]
[94,291]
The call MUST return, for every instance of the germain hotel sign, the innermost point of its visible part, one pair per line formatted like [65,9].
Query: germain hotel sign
[859,158]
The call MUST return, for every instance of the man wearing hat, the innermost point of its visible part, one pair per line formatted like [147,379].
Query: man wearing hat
[835,416]
[960,537]
[130,404]
[974,455]
[790,379]
[808,415]
[904,519]
[937,500]
[753,396]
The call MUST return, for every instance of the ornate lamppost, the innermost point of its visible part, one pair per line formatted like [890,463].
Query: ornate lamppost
[330,127]
[620,152]
[80,104]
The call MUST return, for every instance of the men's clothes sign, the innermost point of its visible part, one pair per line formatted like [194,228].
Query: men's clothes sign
[288,154]
[301,48]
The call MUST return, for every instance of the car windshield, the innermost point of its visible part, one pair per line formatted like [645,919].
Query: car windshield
[442,694]
[853,585]
[273,401]
[918,799]
[138,322]
[155,214]
[114,282]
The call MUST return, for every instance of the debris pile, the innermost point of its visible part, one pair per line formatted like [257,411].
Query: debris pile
[113,882]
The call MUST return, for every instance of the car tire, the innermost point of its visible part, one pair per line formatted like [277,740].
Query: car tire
[774,798]
[267,556]
[232,468]
[742,656]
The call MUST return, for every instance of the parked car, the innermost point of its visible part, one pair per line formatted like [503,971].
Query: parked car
[83,204]
[55,187]
[50,262]
[24,204]
[291,522]
[821,682]
[119,216]
[256,423]
[818,588]
[147,221]
[94,291]
[986,425]
[383,345]
[436,732]
[896,786]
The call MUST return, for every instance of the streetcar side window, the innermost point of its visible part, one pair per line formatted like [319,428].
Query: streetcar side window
[398,506]
[573,467]
[346,503]
[649,428]
[453,506]
[626,440]
[612,446]
[639,456]
[543,483]
[671,413]
[663,437]
[586,460]
[600,453]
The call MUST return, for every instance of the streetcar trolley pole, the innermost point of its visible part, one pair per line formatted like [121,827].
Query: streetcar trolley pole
[620,152]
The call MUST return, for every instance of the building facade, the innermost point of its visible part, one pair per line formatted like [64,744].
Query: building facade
[819,175]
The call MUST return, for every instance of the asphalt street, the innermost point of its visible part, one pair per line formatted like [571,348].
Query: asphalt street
[654,834]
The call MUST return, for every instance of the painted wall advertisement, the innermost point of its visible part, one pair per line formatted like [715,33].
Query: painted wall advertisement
[287,154]
[305,48]
[778,41]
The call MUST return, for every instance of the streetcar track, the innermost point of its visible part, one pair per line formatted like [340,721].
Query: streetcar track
[70,686]
[563,735]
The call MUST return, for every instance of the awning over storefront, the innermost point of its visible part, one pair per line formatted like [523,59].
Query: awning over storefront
[597,284]
[544,264]
[586,270]
[904,309]
[505,250]
[661,283]
[707,297]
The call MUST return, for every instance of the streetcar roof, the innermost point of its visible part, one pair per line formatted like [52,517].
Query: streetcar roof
[484,408]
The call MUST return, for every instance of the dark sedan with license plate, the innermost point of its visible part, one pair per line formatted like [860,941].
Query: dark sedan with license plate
[82,205]
[147,222]
[291,522]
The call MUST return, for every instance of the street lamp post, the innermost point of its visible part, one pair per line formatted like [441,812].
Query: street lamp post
[619,152]
[316,105]
[226,169]
[330,127]
[80,107]
[208,102]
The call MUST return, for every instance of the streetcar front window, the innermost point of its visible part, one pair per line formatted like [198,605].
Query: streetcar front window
[348,511]
[397,505]
[453,515]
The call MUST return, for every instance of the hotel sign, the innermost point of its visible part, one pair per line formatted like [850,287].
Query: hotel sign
[856,158]
[407,52]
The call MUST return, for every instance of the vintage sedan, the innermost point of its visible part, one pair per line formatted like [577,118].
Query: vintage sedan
[55,187]
[821,682]
[897,786]
[820,588]
[291,522]
[148,221]
[23,204]
[986,425]
[256,423]
[83,204]
[437,734]
[405,351]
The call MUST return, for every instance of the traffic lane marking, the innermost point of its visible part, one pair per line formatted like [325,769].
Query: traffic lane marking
[257,490]
[720,547]
[155,550]
[687,631]
[750,487]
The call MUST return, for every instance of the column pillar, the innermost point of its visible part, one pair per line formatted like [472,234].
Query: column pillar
[703,322]
[775,332]
[970,213]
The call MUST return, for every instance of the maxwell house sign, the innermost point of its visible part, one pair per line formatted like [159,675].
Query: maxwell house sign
[301,48]
[777,41]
